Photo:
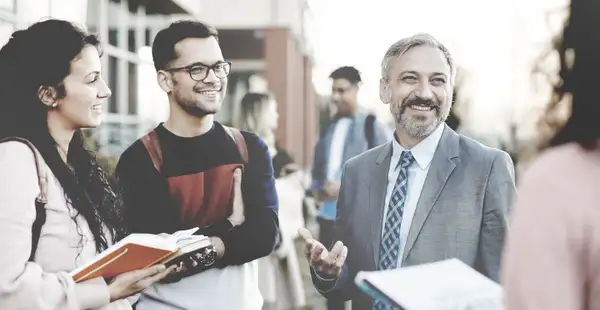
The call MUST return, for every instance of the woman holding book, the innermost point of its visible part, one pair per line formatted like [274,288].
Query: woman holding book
[57,209]
[259,115]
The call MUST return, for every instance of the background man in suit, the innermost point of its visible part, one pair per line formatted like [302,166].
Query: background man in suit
[427,195]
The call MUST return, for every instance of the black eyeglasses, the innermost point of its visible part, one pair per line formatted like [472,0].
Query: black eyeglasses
[199,71]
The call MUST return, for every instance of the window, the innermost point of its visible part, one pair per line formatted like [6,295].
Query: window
[113,104]
[129,71]
[7,6]
[132,82]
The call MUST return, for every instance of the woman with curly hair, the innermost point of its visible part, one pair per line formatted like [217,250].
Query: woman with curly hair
[57,208]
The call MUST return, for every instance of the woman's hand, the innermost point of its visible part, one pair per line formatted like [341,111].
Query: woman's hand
[133,282]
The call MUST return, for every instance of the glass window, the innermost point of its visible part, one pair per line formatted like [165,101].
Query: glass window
[129,135]
[113,103]
[131,41]
[113,37]
[148,40]
[132,101]
[113,130]
[119,137]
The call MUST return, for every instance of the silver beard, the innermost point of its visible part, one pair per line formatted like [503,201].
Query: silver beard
[414,126]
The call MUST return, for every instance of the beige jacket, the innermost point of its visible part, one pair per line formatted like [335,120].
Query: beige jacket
[44,283]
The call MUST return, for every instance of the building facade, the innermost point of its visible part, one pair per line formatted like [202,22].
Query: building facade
[266,40]
[269,45]
[126,29]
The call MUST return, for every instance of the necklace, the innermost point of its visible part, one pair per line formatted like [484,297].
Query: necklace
[63,153]
[64,156]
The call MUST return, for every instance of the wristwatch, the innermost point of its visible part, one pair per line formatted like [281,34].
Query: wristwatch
[208,256]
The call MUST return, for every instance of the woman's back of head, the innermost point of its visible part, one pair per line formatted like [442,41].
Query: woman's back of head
[579,52]
[259,115]
[252,109]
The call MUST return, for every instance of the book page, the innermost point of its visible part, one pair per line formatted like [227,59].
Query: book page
[444,285]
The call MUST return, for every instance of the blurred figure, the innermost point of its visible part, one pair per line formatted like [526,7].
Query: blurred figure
[280,280]
[552,258]
[348,134]
[57,209]
[427,195]
[186,173]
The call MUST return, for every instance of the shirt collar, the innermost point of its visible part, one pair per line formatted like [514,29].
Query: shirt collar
[422,152]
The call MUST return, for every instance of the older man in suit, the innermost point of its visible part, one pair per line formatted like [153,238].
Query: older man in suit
[427,195]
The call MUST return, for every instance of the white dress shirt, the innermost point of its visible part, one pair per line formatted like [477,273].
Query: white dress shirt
[417,172]
[336,151]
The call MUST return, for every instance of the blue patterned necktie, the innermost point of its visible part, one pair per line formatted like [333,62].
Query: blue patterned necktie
[389,249]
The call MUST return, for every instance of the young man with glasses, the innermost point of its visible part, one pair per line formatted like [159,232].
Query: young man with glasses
[185,174]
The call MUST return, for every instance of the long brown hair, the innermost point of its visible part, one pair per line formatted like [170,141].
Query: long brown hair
[41,56]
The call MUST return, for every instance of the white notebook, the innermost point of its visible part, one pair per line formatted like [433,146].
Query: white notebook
[443,285]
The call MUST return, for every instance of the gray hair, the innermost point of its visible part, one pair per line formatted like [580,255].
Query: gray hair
[402,46]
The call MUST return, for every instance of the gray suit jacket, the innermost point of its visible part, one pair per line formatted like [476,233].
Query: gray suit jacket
[462,212]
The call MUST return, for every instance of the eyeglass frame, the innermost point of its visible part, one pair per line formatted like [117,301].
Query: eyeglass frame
[199,64]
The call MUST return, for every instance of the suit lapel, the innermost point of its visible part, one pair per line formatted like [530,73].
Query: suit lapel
[377,187]
[443,163]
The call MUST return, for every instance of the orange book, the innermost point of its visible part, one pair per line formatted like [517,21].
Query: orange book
[138,251]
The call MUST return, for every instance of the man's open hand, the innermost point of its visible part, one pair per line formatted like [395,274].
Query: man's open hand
[326,263]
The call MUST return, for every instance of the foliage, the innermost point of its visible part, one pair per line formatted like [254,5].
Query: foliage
[106,161]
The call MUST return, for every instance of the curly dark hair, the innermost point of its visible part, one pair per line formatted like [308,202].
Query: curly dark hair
[578,48]
[41,56]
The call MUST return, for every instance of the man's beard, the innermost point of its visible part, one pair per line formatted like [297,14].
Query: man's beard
[414,125]
[195,108]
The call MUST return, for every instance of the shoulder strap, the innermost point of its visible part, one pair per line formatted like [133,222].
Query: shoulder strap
[152,145]
[40,200]
[236,135]
[370,130]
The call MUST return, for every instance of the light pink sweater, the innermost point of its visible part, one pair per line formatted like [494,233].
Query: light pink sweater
[44,283]
[552,259]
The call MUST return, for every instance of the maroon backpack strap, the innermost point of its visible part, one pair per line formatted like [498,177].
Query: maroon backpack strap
[152,144]
[239,141]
